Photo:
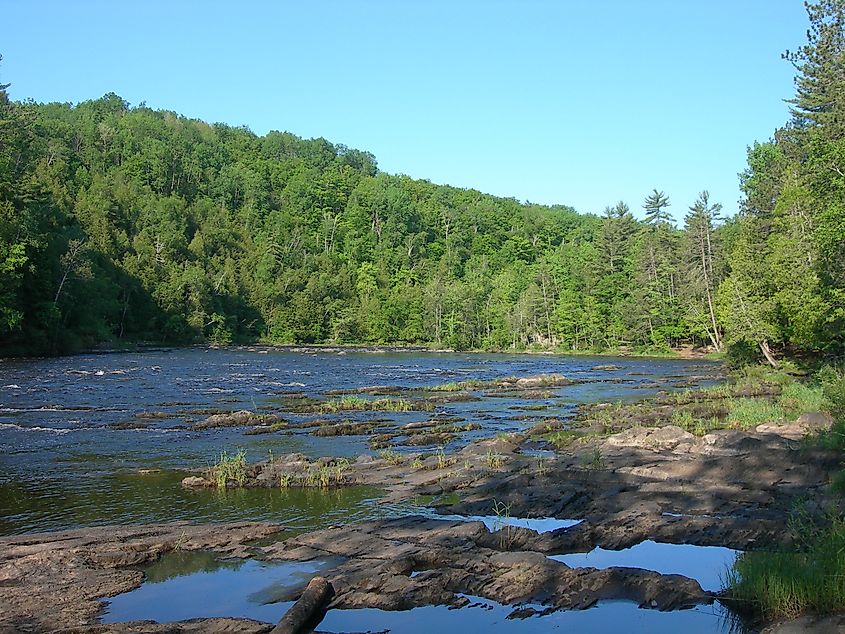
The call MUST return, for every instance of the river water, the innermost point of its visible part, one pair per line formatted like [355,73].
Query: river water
[69,460]
[106,438]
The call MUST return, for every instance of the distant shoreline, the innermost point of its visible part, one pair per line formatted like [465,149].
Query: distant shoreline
[684,353]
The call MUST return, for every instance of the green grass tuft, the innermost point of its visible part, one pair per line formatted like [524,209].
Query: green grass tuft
[757,374]
[593,459]
[494,459]
[356,403]
[563,438]
[833,390]
[229,468]
[749,412]
[799,398]
[783,585]
[457,386]
[390,456]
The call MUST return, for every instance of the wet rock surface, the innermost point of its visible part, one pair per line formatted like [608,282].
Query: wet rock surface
[809,623]
[728,488]
[55,581]
[198,626]
[413,561]
[237,419]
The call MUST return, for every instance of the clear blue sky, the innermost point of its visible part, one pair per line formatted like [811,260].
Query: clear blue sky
[572,102]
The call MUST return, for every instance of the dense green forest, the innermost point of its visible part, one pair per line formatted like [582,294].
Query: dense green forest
[122,223]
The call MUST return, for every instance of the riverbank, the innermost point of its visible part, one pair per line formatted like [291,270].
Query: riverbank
[681,352]
[661,484]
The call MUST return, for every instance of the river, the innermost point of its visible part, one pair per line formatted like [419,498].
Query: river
[76,431]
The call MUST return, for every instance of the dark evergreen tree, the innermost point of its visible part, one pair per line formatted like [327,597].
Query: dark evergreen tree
[820,89]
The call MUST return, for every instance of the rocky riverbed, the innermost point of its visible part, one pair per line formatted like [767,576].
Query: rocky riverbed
[727,488]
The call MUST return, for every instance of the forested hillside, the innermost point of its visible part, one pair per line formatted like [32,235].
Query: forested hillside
[122,223]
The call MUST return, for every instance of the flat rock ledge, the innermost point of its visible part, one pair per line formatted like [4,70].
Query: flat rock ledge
[54,581]
[408,562]
[728,488]
[242,418]
[810,623]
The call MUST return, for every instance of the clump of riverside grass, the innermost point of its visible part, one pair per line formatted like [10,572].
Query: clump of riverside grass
[457,386]
[229,467]
[390,456]
[811,576]
[563,438]
[495,460]
[754,395]
[799,398]
[356,403]
[833,386]
[796,398]
[779,585]
[745,413]
[508,382]
[502,524]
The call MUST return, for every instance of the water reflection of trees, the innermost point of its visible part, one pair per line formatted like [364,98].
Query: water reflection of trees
[181,563]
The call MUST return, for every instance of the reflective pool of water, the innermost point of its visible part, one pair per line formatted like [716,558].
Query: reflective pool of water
[190,585]
[491,617]
[498,522]
[705,564]
[198,585]
[132,498]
